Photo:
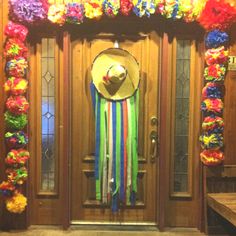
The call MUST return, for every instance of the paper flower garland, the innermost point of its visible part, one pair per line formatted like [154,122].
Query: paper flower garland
[216,56]
[74,13]
[93,9]
[216,38]
[214,105]
[16,204]
[211,141]
[17,67]
[126,7]
[217,14]
[17,175]
[17,157]
[26,11]
[215,72]
[15,48]
[111,7]
[144,8]
[213,124]
[16,31]
[17,139]
[17,106]
[190,10]
[212,157]
[7,189]
[16,86]
[56,14]
[212,90]
[15,122]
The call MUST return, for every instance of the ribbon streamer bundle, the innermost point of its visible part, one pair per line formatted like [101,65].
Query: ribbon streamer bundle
[15,117]
[116,157]
[115,97]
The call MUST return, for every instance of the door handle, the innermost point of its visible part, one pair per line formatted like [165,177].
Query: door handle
[154,140]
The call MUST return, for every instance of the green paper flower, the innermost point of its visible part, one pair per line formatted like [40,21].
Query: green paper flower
[17,122]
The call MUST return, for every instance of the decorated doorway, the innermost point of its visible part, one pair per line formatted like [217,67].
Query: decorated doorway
[84,205]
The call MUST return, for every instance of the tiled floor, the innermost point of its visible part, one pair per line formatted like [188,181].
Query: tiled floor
[78,232]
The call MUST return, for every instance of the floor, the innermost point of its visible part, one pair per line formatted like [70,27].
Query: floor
[77,232]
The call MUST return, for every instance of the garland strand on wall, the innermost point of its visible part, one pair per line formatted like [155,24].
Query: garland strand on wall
[16,120]
[216,16]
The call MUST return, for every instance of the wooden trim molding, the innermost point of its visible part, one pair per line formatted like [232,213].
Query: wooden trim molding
[162,131]
[66,132]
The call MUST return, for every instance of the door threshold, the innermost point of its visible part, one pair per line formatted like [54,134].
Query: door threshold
[81,222]
[121,226]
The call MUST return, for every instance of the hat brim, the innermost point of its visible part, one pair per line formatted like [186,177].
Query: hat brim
[101,65]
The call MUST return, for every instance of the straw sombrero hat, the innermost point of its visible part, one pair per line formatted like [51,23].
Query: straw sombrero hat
[115,74]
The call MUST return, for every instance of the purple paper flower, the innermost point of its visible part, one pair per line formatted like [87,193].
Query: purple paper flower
[28,11]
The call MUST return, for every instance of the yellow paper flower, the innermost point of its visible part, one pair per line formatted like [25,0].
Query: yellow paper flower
[198,6]
[17,203]
[93,9]
[56,13]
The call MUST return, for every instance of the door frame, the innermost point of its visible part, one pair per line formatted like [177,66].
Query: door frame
[66,170]
[162,168]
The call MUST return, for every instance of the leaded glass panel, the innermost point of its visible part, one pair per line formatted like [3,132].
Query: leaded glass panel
[48,115]
[182,116]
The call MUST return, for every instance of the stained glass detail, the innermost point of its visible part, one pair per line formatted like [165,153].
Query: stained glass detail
[182,116]
[48,115]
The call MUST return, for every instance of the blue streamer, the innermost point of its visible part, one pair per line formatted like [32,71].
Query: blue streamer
[132,198]
[93,91]
[114,206]
[97,140]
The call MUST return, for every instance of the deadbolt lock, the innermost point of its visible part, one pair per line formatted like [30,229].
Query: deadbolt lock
[154,121]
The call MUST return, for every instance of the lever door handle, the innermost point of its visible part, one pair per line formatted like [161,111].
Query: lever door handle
[154,140]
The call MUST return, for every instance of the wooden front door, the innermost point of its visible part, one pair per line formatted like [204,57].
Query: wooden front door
[85,46]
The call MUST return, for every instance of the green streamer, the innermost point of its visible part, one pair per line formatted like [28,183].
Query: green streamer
[129,152]
[102,144]
[118,143]
[98,183]
[133,145]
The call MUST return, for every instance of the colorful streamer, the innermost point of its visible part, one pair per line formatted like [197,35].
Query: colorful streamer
[116,157]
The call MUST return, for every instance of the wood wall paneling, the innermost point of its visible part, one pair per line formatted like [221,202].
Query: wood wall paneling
[177,206]
[230,107]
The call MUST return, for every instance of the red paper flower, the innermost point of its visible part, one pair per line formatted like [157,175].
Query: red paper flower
[216,56]
[126,7]
[18,31]
[17,157]
[17,105]
[217,14]
[212,157]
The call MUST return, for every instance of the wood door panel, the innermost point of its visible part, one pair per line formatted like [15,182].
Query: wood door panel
[84,206]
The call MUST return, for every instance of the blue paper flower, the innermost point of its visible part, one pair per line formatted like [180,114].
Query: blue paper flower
[144,8]
[216,38]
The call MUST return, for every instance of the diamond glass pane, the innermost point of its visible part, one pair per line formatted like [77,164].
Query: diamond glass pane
[182,116]
[48,115]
